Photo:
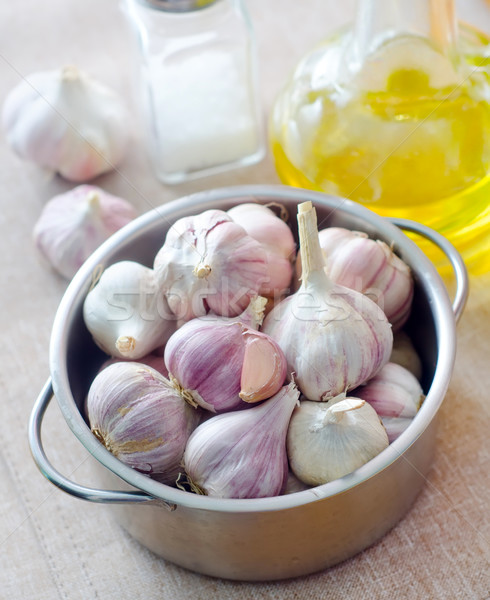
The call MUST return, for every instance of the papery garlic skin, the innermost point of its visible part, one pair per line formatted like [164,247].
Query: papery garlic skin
[155,361]
[141,419]
[66,122]
[334,338]
[243,454]
[208,262]
[223,365]
[276,237]
[252,317]
[126,313]
[405,354]
[326,442]
[73,224]
[395,393]
[368,266]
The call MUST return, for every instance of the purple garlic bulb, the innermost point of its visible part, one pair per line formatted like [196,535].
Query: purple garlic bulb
[222,365]
[243,454]
[139,417]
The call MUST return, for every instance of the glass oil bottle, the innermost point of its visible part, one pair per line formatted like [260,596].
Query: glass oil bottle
[394,113]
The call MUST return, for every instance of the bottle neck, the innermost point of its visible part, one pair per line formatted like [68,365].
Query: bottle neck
[378,21]
[398,30]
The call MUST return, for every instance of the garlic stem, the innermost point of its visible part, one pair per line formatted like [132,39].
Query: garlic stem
[336,412]
[311,251]
[256,311]
[93,201]
[70,73]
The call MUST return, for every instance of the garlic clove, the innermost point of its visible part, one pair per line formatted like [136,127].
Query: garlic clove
[326,442]
[126,313]
[208,262]
[140,418]
[66,122]
[72,225]
[243,454]
[334,338]
[264,368]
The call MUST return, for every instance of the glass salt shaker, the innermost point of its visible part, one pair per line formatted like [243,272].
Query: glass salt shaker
[198,86]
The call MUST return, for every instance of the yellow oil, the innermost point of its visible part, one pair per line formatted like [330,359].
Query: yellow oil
[409,151]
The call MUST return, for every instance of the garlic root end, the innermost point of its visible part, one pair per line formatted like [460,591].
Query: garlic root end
[201,271]
[125,344]
[337,411]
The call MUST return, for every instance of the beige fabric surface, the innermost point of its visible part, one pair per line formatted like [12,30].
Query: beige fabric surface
[53,546]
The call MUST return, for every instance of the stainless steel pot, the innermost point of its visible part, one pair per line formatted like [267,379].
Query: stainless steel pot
[267,538]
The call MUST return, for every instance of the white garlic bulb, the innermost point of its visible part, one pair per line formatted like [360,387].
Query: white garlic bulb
[334,338]
[126,313]
[67,123]
[208,262]
[242,454]
[276,237]
[141,419]
[328,441]
[72,225]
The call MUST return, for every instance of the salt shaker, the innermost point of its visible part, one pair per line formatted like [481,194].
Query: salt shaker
[198,86]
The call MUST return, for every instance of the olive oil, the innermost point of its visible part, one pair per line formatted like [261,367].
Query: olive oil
[405,140]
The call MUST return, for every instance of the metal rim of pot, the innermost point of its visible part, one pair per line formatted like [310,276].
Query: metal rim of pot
[150,491]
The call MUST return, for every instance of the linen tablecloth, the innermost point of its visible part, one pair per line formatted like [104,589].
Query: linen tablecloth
[54,546]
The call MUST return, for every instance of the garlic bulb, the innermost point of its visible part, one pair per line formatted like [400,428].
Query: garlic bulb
[369,266]
[243,454]
[208,262]
[395,394]
[327,442]
[141,419]
[126,313]
[155,361]
[334,338]
[72,225]
[222,365]
[276,237]
[405,354]
[67,123]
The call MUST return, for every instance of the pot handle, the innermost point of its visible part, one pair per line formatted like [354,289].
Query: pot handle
[457,263]
[59,480]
